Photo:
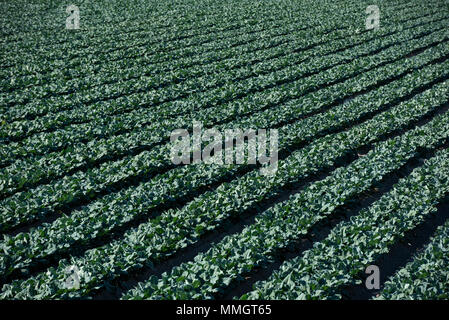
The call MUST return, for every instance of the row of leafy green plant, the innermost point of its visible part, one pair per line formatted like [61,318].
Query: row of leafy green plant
[175,229]
[353,245]
[10,174]
[134,16]
[151,159]
[168,72]
[197,46]
[272,97]
[211,272]
[161,60]
[26,127]
[427,276]
[88,42]
[174,77]
[183,47]
[130,102]
[218,88]
[133,25]
[26,206]
[315,126]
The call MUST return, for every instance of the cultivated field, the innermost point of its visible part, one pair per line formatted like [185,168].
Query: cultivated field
[92,204]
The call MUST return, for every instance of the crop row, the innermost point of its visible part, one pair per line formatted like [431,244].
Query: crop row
[124,31]
[366,80]
[253,21]
[223,88]
[353,245]
[174,229]
[197,46]
[26,206]
[158,131]
[234,256]
[188,15]
[427,276]
[142,67]
[125,69]
[43,28]
[182,65]
[60,234]
[183,47]
[159,20]
[215,23]
[138,105]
